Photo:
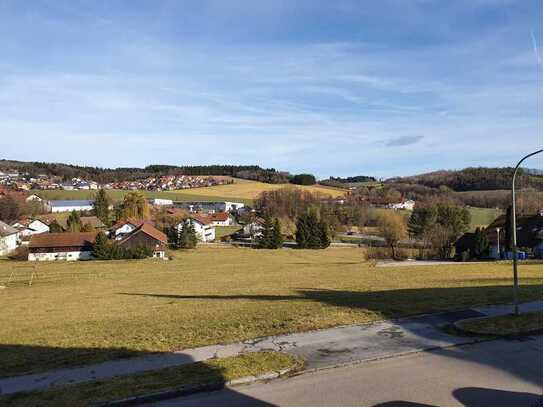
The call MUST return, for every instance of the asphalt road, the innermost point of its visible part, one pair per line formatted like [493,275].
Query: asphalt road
[498,373]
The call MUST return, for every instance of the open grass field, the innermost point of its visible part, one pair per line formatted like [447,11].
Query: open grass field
[85,312]
[241,191]
[251,189]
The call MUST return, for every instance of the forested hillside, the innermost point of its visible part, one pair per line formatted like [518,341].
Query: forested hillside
[105,175]
[474,179]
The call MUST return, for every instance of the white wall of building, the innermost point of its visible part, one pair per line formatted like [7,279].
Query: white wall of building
[204,233]
[8,244]
[160,201]
[56,209]
[60,256]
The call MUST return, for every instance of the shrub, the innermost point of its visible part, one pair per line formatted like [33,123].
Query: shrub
[20,254]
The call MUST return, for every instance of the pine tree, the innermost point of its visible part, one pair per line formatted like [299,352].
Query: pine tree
[312,233]
[324,235]
[102,249]
[173,236]
[277,237]
[265,240]
[101,207]
[192,240]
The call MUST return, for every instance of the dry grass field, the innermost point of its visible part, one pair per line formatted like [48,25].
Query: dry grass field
[91,311]
[251,189]
[240,191]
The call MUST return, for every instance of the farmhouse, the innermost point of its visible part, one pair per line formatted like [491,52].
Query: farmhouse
[124,228]
[221,219]
[70,205]
[205,231]
[146,235]
[61,246]
[8,238]
[29,227]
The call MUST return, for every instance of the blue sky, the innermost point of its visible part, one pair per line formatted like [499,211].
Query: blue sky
[330,87]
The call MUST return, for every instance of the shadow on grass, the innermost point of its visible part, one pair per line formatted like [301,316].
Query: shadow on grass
[390,303]
[110,381]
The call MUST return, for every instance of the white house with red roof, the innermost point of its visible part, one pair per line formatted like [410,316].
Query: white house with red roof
[204,228]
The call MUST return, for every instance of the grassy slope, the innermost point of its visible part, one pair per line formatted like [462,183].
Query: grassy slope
[242,190]
[213,372]
[91,311]
[483,216]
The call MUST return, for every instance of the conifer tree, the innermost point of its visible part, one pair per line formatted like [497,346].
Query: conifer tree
[264,241]
[102,248]
[277,237]
[101,207]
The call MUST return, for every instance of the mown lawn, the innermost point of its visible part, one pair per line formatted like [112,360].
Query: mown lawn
[92,311]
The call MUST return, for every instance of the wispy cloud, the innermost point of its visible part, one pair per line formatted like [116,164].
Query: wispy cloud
[536,49]
[403,141]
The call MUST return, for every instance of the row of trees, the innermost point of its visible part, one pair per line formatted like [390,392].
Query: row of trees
[182,237]
[104,249]
[438,226]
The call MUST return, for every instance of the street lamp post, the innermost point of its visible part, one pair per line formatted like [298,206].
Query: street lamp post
[514,227]
[498,247]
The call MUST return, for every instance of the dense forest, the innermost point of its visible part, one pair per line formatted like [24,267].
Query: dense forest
[474,179]
[105,175]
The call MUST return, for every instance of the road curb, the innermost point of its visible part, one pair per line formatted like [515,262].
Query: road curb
[187,391]
[458,326]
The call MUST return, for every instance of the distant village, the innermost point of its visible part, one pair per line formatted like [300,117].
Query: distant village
[26,182]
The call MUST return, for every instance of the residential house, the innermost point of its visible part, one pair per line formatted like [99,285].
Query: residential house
[254,229]
[8,238]
[61,246]
[205,231]
[146,235]
[529,235]
[70,205]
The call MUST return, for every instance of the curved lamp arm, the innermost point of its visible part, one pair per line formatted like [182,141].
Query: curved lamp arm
[514,227]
